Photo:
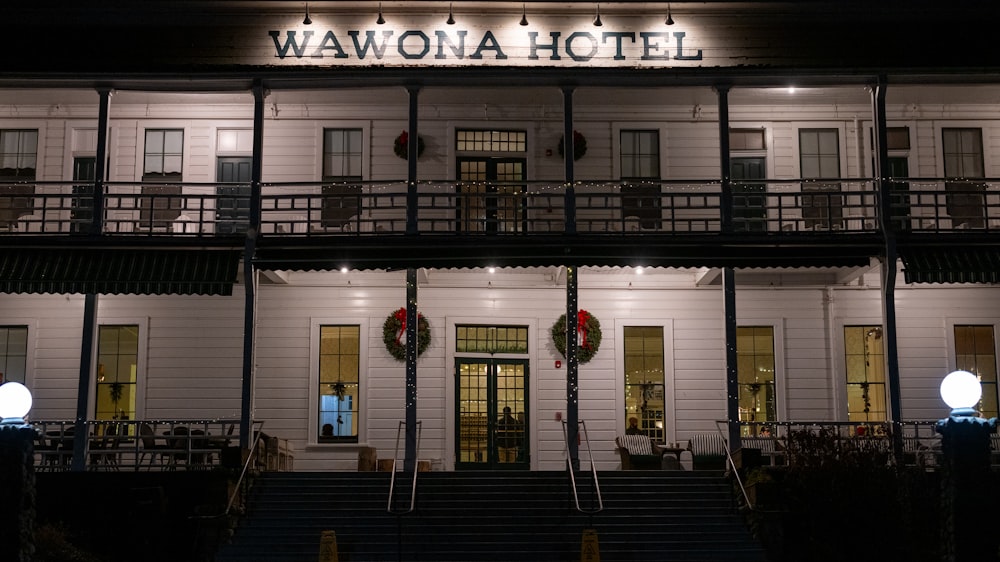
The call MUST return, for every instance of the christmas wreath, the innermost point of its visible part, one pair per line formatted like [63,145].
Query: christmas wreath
[394,334]
[401,146]
[588,331]
[579,145]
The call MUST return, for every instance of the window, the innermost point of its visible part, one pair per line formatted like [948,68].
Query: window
[117,363]
[864,357]
[13,353]
[339,383]
[18,159]
[163,160]
[640,163]
[342,163]
[491,141]
[975,351]
[755,373]
[963,158]
[492,170]
[491,339]
[644,379]
[819,158]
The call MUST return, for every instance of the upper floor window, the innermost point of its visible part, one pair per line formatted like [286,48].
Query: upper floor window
[746,140]
[163,160]
[755,372]
[13,353]
[864,357]
[339,383]
[819,158]
[963,158]
[640,160]
[473,140]
[18,159]
[491,339]
[342,172]
[975,351]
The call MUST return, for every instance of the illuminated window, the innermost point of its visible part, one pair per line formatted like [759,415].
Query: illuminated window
[975,351]
[491,339]
[491,141]
[755,372]
[864,356]
[644,379]
[339,383]
[117,363]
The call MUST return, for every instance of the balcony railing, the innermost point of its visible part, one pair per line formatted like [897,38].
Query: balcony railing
[155,445]
[674,207]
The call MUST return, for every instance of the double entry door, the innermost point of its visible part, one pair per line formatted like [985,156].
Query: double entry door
[491,195]
[492,424]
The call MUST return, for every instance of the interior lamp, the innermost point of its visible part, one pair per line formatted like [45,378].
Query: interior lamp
[961,391]
[15,402]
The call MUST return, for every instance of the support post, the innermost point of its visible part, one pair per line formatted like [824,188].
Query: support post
[100,161]
[732,370]
[888,262]
[89,336]
[412,324]
[249,271]
[569,149]
[572,368]
[412,148]
[726,202]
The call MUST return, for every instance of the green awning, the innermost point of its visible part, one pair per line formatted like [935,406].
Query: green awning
[119,271]
[969,264]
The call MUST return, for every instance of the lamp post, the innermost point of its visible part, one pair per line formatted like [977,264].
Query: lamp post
[967,533]
[17,493]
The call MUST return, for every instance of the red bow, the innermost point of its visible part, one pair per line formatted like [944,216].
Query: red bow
[582,317]
[401,316]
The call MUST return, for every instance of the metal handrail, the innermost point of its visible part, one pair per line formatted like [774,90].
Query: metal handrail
[246,465]
[416,469]
[593,470]
[732,464]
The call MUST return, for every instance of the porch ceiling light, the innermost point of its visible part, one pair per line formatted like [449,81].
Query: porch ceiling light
[15,402]
[307,20]
[961,391]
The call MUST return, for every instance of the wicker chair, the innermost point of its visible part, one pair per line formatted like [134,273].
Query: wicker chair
[638,452]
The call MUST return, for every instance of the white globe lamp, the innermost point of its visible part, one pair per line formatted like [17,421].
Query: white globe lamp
[961,391]
[15,402]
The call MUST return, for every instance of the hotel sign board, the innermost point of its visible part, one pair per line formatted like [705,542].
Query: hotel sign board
[454,45]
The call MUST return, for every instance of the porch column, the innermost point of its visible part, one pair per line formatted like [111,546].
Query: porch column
[572,367]
[726,202]
[569,149]
[883,189]
[412,148]
[83,385]
[732,379]
[249,271]
[410,460]
[101,158]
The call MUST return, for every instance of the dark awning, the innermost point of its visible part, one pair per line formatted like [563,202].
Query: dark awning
[969,264]
[119,271]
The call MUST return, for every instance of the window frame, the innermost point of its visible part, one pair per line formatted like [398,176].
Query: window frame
[886,407]
[142,366]
[951,324]
[774,376]
[670,429]
[364,343]
[28,325]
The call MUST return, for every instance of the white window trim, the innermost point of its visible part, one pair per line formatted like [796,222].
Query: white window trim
[616,146]
[527,127]
[29,361]
[670,396]
[140,146]
[950,322]
[839,359]
[314,332]
[985,132]
[843,155]
[366,135]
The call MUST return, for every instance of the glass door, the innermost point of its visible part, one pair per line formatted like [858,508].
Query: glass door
[491,195]
[492,425]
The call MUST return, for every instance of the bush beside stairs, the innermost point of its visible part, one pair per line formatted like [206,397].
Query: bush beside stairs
[676,516]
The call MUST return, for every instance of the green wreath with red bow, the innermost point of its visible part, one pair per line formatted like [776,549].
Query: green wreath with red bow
[394,334]
[588,330]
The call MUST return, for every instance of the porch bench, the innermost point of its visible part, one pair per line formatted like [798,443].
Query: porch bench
[708,451]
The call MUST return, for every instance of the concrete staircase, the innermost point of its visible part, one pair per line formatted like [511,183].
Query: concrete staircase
[679,516]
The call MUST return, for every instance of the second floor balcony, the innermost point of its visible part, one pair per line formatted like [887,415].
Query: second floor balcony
[765,209]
